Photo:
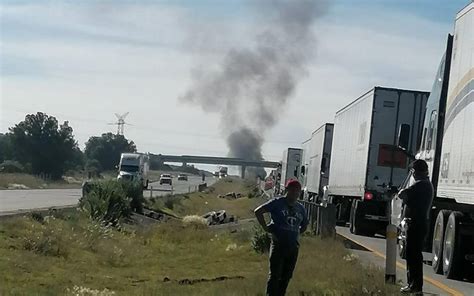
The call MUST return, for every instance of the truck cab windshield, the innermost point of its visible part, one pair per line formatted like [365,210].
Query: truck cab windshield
[129,168]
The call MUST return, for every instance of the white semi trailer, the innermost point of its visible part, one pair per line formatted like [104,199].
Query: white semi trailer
[366,165]
[448,148]
[134,167]
[290,166]
[316,162]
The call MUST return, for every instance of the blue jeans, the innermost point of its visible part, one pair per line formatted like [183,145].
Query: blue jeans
[282,263]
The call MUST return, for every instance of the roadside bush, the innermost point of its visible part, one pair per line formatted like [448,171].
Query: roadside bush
[171,201]
[134,191]
[49,238]
[37,217]
[11,166]
[261,240]
[106,202]
[94,233]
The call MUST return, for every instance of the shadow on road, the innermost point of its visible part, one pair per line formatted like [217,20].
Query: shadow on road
[351,244]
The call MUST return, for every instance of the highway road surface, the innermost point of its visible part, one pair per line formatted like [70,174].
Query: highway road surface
[434,284]
[15,201]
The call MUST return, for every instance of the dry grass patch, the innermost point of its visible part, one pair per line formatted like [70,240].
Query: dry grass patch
[199,203]
[19,180]
[168,259]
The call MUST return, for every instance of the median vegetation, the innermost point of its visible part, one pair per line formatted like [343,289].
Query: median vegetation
[240,201]
[75,253]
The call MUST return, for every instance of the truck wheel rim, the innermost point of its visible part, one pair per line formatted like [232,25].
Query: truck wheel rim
[448,244]
[437,241]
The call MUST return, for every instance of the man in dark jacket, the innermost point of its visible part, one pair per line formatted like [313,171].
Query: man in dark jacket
[288,221]
[417,201]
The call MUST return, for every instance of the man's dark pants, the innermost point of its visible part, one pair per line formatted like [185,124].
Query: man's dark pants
[416,234]
[282,263]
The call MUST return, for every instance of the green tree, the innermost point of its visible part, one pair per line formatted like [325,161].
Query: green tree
[106,149]
[6,151]
[44,144]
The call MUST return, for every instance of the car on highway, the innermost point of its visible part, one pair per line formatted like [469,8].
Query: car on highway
[166,179]
[182,177]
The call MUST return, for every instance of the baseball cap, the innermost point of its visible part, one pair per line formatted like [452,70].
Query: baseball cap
[292,182]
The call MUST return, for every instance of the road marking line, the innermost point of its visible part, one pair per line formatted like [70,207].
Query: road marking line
[400,265]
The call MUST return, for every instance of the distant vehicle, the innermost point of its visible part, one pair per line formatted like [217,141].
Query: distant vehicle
[182,177]
[367,167]
[134,167]
[166,179]
[316,160]
[223,172]
[447,146]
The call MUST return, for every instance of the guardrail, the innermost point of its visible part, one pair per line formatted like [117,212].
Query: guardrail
[322,218]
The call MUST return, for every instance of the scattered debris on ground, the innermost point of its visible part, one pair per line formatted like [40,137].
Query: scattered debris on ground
[203,280]
[218,217]
[17,186]
[231,195]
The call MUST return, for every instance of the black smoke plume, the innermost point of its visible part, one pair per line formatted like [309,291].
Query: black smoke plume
[252,85]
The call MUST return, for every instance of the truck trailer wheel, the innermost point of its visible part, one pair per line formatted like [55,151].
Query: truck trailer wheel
[351,217]
[359,225]
[452,250]
[438,240]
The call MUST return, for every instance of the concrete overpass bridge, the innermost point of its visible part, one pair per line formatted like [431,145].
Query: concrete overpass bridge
[243,163]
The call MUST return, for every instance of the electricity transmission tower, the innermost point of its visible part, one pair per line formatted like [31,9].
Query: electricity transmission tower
[120,122]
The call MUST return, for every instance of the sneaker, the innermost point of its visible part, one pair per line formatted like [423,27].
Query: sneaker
[411,290]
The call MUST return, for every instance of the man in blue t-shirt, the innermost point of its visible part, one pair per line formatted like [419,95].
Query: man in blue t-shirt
[288,220]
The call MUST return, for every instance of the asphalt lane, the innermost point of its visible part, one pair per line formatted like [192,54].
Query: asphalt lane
[15,201]
[12,201]
[434,283]
[178,186]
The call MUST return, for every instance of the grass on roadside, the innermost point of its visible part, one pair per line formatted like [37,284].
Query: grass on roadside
[20,180]
[199,203]
[48,256]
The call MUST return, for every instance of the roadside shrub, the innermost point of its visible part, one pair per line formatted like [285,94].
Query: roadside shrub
[48,239]
[261,240]
[37,217]
[116,257]
[94,233]
[195,221]
[106,202]
[11,166]
[171,201]
[134,191]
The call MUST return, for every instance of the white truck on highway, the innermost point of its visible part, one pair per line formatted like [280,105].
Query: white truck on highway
[316,159]
[367,167]
[223,171]
[290,167]
[134,167]
[448,147]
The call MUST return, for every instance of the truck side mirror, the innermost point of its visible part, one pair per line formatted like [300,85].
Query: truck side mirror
[403,139]
[303,168]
